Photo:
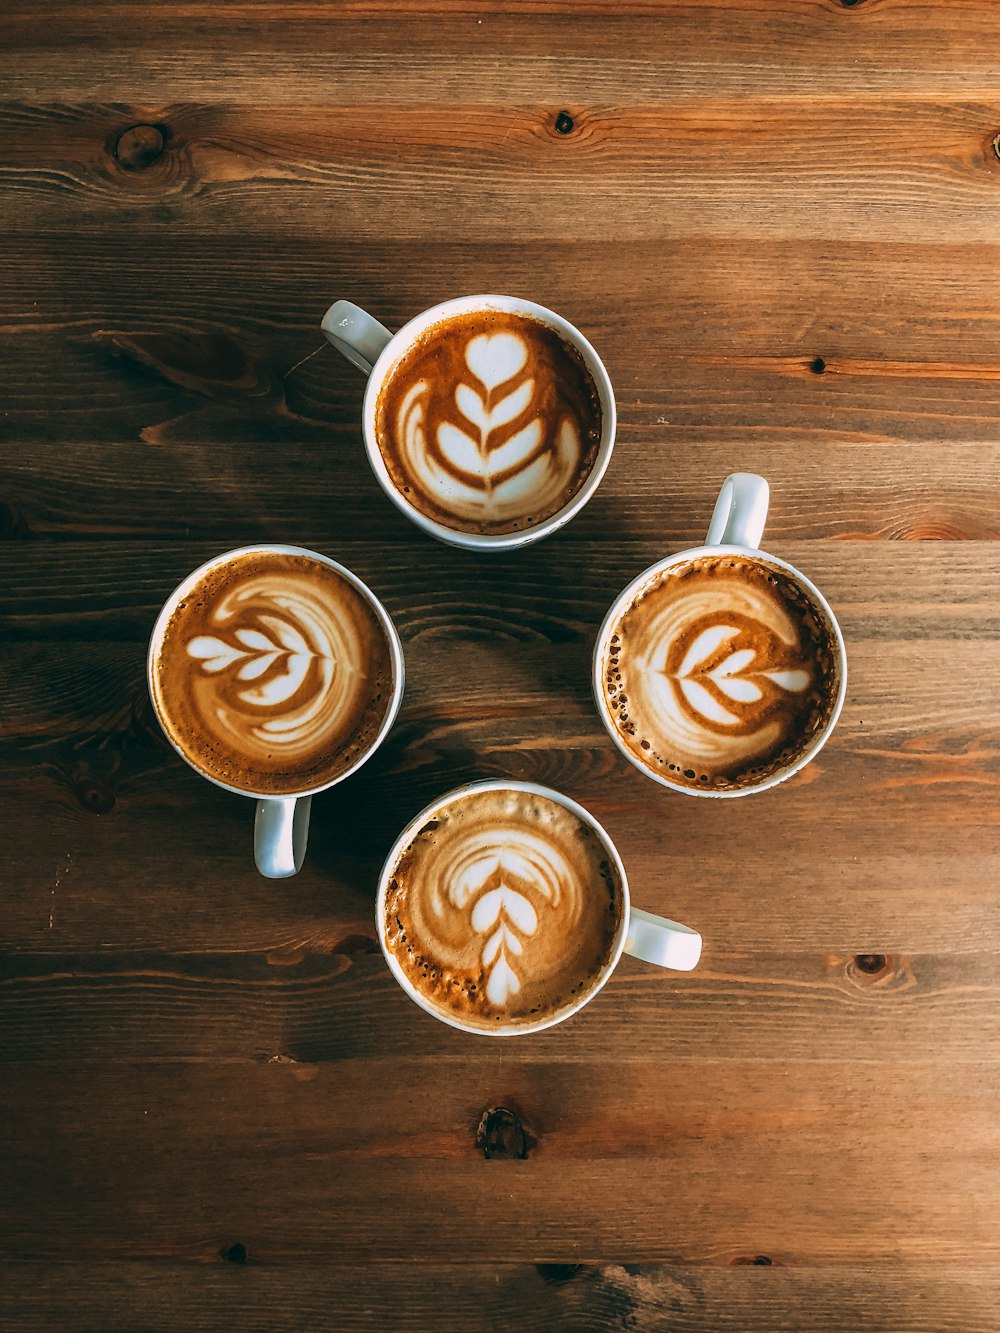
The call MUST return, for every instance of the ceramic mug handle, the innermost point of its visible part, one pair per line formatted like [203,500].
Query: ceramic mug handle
[280,834]
[355,334]
[654,939]
[740,511]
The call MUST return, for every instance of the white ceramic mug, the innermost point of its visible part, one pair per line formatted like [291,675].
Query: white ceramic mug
[370,346]
[644,935]
[281,827]
[736,528]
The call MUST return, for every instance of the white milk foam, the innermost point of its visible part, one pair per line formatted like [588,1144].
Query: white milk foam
[500,892]
[488,475]
[709,671]
[288,665]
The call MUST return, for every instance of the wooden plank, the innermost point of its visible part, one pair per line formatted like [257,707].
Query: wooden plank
[308,53]
[805,1165]
[164,1297]
[739,167]
[318,490]
[111,1007]
[925,308]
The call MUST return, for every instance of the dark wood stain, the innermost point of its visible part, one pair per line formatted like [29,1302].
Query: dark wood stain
[777,221]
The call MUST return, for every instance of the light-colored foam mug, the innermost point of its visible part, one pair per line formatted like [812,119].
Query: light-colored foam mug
[651,938]
[370,346]
[281,827]
[736,528]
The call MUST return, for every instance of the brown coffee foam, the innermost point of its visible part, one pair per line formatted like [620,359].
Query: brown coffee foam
[777,624]
[564,392]
[503,843]
[321,627]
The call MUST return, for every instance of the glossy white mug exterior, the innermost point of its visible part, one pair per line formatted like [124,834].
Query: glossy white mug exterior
[644,935]
[736,528]
[281,826]
[370,346]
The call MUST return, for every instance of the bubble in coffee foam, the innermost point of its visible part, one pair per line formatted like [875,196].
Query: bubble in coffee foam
[722,670]
[274,673]
[502,908]
[490,422]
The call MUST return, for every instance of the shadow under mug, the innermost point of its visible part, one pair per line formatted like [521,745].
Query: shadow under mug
[651,938]
[736,528]
[281,826]
[370,346]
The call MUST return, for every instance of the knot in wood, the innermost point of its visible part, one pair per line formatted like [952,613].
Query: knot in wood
[139,147]
[558,1273]
[564,123]
[501,1134]
[996,145]
[94,795]
[234,1254]
[870,963]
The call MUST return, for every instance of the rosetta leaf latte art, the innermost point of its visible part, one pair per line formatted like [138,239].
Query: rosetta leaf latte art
[497,442]
[506,916]
[719,680]
[254,654]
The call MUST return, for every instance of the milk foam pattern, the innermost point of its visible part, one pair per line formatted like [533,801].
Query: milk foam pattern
[504,889]
[488,453]
[283,669]
[711,671]
[503,907]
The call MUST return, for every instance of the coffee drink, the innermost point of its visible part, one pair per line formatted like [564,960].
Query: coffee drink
[273,674]
[504,907]
[720,672]
[489,423]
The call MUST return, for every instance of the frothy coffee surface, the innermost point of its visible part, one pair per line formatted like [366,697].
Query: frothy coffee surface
[503,908]
[489,423]
[274,673]
[720,672]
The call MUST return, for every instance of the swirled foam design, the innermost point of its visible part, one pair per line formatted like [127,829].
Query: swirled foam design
[719,672]
[274,673]
[491,422]
[503,907]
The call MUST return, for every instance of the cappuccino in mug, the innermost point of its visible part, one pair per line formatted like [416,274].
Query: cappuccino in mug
[273,673]
[490,422]
[720,671]
[503,907]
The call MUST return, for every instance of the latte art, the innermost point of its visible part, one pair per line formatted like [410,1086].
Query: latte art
[719,672]
[274,673]
[490,423]
[503,907]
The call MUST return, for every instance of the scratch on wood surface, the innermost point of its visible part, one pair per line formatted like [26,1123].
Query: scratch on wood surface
[60,874]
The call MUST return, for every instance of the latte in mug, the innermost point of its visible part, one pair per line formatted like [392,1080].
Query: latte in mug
[720,672]
[273,674]
[503,908]
[490,422]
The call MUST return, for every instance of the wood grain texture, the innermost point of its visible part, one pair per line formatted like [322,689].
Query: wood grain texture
[776,220]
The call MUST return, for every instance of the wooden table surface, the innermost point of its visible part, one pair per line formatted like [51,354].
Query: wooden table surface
[778,222]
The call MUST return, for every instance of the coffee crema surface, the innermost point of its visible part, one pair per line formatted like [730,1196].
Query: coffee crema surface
[720,672]
[503,908]
[490,423]
[274,673]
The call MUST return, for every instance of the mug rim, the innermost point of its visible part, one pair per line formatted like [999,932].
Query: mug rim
[279,548]
[413,826]
[627,595]
[401,341]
